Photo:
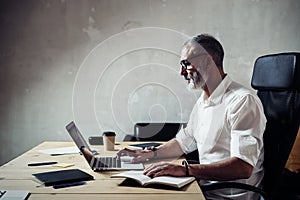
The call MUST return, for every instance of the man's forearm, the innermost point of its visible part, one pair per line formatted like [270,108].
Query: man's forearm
[233,168]
[169,150]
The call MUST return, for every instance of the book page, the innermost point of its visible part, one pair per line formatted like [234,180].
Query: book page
[136,175]
[146,180]
[171,181]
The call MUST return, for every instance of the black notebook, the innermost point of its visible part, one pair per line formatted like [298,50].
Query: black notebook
[62,176]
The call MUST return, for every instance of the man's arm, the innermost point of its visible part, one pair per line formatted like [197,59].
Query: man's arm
[168,150]
[230,169]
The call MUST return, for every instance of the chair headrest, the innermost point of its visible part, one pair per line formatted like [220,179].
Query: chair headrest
[277,72]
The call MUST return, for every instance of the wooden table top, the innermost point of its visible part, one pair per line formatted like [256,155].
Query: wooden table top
[16,175]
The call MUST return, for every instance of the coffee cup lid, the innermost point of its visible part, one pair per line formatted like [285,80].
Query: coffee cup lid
[109,133]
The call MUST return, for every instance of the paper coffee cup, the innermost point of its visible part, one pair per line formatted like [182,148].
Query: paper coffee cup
[109,140]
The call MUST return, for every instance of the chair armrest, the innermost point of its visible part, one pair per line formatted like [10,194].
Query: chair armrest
[223,185]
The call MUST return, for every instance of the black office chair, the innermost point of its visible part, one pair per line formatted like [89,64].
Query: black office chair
[158,131]
[277,81]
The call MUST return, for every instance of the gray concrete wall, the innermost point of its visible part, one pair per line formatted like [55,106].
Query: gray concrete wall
[109,63]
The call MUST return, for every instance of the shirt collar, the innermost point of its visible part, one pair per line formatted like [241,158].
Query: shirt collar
[218,93]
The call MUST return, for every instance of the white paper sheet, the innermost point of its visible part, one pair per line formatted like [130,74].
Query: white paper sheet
[60,151]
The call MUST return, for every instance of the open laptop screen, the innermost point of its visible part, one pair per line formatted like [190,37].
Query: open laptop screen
[76,136]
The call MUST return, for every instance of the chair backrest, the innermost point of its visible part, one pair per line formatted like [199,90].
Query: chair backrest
[156,131]
[277,81]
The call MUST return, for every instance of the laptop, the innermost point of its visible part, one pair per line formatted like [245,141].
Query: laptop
[14,194]
[97,162]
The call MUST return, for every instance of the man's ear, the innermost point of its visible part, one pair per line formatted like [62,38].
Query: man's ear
[209,60]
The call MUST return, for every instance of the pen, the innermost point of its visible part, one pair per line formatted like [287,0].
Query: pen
[42,163]
[60,154]
[68,185]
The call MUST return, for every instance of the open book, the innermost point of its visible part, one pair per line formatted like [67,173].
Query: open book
[144,180]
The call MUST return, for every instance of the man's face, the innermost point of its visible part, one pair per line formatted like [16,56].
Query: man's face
[194,66]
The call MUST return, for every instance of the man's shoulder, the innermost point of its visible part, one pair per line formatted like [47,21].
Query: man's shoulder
[239,89]
[236,92]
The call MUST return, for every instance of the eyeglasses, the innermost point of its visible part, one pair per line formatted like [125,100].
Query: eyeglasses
[184,64]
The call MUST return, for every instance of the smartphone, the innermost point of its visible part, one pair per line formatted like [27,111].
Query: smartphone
[96,140]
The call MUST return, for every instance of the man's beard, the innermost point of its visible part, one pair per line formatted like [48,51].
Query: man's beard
[196,81]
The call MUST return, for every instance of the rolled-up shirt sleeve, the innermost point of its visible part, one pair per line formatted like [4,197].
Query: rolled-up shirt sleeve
[186,141]
[247,125]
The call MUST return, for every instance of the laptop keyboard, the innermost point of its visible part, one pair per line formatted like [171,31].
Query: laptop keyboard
[108,162]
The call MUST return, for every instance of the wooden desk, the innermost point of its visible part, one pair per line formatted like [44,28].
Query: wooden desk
[16,175]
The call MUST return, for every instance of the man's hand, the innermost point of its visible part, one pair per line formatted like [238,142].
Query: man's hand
[139,155]
[170,149]
[162,168]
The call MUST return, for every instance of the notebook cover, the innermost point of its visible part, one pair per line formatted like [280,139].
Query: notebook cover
[63,176]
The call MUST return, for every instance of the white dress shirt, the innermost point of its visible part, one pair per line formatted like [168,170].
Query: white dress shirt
[230,123]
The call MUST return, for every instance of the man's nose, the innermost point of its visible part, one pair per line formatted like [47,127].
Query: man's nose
[183,71]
